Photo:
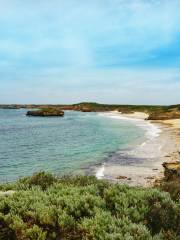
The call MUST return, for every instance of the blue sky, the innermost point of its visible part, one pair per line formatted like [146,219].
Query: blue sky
[109,51]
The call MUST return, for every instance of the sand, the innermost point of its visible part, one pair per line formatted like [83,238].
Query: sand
[175,123]
[144,163]
[137,115]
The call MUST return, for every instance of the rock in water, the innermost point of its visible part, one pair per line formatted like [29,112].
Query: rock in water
[46,112]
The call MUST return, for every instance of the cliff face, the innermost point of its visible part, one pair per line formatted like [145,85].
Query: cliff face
[172,171]
[165,115]
[171,181]
[46,112]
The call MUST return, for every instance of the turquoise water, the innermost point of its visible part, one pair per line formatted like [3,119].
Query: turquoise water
[62,145]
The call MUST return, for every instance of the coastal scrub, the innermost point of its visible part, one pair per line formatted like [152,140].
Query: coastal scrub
[47,207]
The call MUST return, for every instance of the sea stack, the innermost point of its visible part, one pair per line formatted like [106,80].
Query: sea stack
[46,112]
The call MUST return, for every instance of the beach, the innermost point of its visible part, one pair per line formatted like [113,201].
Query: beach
[123,148]
[73,144]
[145,160]
[175,123]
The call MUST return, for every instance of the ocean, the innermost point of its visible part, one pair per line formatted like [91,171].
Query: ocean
[78,143]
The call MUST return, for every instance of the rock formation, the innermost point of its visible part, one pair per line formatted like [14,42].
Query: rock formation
[46,112]
[172,113]
[172,171]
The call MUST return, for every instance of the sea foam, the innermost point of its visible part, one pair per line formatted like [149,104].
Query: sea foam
[148,147]
[100,172]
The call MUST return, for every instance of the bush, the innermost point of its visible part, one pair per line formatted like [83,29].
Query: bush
[6,233]
[105,226]
[173,187]
[45,207]
[42,179]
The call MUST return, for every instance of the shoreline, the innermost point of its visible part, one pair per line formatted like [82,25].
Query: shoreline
[145,167]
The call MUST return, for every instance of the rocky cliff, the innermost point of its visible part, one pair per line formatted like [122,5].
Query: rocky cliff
[172,171]
[165,115]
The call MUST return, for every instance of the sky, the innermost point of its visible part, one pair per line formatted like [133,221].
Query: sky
[107,51]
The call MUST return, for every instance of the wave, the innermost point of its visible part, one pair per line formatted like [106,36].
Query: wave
[100,172]
[151,129]
[149,147]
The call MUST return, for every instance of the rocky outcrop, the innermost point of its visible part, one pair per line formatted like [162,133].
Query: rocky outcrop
[165,115]
[12,106]
[86,109]
[172,171]
[46,112]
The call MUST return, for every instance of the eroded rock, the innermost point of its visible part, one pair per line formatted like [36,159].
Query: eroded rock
[46,112]
[172,171]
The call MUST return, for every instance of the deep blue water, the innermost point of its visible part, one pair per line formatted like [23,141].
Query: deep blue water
[60,145]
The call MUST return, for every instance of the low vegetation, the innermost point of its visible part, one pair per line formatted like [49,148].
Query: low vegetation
[47,207]
[121,108]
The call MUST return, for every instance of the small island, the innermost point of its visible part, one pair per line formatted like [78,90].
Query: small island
[46,112]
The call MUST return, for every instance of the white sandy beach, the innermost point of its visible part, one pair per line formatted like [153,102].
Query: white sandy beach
[175,123]
[136,115]
[161,145]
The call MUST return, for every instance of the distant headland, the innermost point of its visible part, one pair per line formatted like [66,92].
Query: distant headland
[155,112]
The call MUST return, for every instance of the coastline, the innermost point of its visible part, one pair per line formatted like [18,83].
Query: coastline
[145,168]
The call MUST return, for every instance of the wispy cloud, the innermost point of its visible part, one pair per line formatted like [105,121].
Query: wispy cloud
[96,46]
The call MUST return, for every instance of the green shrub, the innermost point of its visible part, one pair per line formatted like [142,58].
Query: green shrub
[173,187]
[105,226]
[42,179]
[6,233]
[45,207]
